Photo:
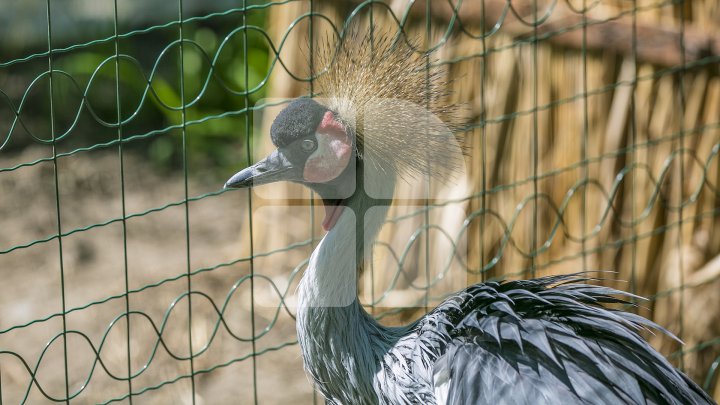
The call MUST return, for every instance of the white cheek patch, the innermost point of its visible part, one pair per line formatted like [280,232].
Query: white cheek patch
[329,159]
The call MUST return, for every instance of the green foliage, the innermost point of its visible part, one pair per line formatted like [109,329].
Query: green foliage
[215,144]
[215,66]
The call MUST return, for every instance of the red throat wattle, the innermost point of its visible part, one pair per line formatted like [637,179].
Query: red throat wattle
[333,210]
[328,162]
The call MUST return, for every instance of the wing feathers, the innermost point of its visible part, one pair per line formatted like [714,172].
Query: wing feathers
[549,341]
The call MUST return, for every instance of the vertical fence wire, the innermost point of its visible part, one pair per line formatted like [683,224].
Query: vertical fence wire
[681,175]
[311,89]
[186,199]
[56,176]
[483,141]
[485,106]
[633,153]
[121,158]
[535,139]
[426,214]
[248,145]
[371,22]
[584,140]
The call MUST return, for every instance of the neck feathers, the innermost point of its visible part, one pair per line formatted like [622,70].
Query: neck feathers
[331,277]
[337,337]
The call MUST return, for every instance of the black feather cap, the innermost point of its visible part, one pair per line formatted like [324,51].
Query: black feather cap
[296,121]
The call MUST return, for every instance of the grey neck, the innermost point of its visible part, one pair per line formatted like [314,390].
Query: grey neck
[338,338]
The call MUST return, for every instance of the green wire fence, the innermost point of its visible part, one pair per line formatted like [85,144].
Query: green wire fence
[130,275]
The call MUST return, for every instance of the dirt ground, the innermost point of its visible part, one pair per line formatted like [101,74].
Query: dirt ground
[151,249]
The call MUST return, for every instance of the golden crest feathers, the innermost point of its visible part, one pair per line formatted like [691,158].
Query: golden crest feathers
[394,99]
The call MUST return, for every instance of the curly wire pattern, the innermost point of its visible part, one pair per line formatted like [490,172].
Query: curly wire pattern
[222,309]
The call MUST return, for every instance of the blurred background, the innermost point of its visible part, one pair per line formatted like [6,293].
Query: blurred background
[130,276]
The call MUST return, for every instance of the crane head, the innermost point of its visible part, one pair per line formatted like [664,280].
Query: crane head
[384,115]
[314,148]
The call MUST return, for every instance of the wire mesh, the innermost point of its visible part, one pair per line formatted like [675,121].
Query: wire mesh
[130,280]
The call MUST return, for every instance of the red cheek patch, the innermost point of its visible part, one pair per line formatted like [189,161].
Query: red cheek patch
[332,154]
[330,125]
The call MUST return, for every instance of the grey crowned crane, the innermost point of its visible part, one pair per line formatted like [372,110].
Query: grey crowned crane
[543,341]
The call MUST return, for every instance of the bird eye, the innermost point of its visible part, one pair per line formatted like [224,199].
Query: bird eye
[308,145]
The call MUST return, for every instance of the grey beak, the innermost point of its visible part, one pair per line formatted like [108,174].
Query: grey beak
[275,167]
